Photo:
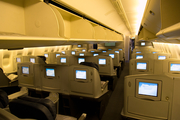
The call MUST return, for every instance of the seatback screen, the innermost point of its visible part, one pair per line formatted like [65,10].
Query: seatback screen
[81,54]
[116,51]
[143,43]
[95,54]
[161,57]
[46,55]
[138,52]
[32,60]
[174,67]
[63,52]
[73,53]
[18,59]
[25,70]
[103,51]
[111,55]
[50,72]
[84,50]
[63,60]
[81,74]
[102,61]
[57,55]
[150,89]
[81,60]
[139,56]
[141,66]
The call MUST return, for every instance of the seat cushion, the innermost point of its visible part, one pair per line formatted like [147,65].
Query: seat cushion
[46,102]
[27,109]
[3,99]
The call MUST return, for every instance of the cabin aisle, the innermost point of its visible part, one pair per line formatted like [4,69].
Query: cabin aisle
[115,105]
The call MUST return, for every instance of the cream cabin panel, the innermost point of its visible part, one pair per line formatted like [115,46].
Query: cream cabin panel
[12,16]
[100,32]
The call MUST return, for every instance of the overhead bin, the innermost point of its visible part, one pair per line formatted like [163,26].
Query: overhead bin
[146,35]
[170,20]
[32,23]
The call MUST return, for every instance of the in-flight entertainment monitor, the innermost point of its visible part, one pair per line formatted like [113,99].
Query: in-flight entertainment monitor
[63,60]
[161,57]
[73,52]
[111,55]
[25,70]
[141,65]
[139,56]
[174,67]
[103,51]
[138,52]
[18,59]
[32,60]
[63,52]
[148,89]
[50,72]
[81,54]
[79,46]
[57,55]
[143,44]
[154,52]
[95,54]
[81,60]
[120,49]
[81,74]
[102,61]
[84,50]
[92,51]
[46,55]
[116,51]
[109,49]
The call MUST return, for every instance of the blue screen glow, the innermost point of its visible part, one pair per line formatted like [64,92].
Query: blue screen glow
[25,70]
[138,52]
[81,54]
[95,54]
[81,60]
[116,51]
[102,61]
[141,66]
[50,72]
[174,67]
[139,56]
[63,60]
[161,57]
[150,89]
[112,55]
[57,55]
[81,74]
[32,60]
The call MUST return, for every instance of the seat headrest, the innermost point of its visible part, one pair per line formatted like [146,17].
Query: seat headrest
[27,109]
[91,64]
[42,59]
[3,99]
[46,102]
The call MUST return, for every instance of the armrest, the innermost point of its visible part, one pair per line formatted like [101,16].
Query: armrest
[23,91]
[103,85]
[83,116]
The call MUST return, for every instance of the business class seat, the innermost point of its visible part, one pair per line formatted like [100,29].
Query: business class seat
[3,99]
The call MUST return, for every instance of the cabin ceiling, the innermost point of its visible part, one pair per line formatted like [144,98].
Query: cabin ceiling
[123,16]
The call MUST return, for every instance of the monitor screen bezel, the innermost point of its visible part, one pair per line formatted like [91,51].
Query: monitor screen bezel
[81,53]
[102,64]
[95,55]
[46,54]
[82,80]
[49,67]
[81,58]
[74,52]
[17,59]
[24,74]
[63,62]
[159,89]
[140,55]
[142,70]
[173,72]
[32,58]
[111,56]
[161,55]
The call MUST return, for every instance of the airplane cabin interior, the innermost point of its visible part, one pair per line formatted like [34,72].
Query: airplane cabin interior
[89,60]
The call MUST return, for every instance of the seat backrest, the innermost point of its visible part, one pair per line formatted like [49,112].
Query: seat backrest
[36,108]
[3,99]
[91,64]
